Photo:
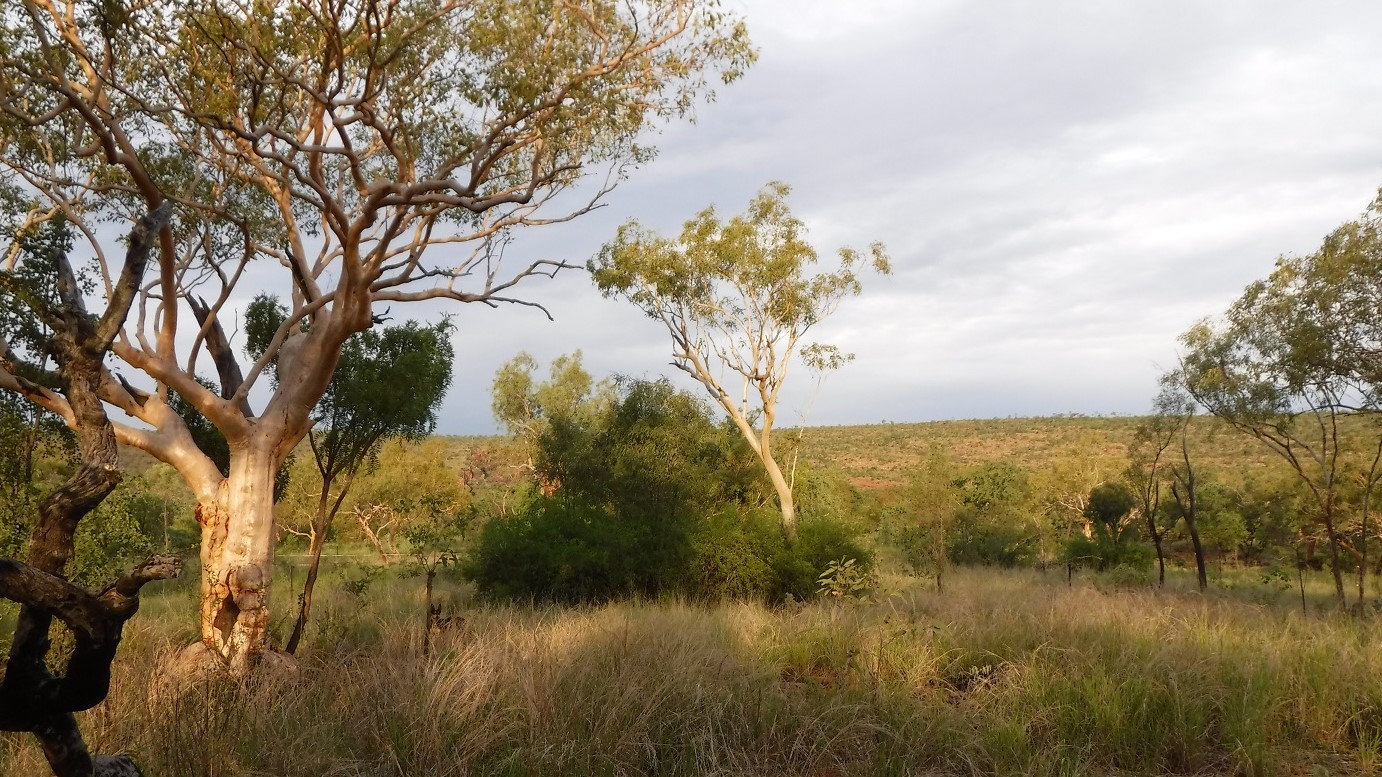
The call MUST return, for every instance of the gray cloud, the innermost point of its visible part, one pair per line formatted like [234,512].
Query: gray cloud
[1064,188]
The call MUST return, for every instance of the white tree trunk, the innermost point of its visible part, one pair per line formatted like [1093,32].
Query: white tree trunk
[784,495]
[237,558]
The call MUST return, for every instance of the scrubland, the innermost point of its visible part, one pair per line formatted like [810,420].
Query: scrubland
[1005,672]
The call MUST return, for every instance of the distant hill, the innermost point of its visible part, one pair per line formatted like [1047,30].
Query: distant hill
[883,456]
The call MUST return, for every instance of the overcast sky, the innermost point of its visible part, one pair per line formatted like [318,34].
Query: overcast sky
[1064,188]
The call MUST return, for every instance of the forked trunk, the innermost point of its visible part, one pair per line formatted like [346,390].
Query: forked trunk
[237,559]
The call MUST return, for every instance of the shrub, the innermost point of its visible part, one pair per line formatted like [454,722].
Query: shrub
[568,550]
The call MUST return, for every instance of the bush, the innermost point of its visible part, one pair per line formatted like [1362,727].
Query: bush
[731,555]
[567,550]
[976,539]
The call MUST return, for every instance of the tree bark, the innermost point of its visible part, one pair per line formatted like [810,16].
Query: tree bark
[237,559]
[1334,556]
[786,502]
[31,697]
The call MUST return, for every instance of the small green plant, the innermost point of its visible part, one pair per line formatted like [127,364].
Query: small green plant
[845,577]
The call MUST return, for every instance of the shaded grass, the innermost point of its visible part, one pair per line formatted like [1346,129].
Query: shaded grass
[1006,673]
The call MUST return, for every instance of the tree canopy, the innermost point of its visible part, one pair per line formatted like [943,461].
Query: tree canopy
[738,294]
[343,155]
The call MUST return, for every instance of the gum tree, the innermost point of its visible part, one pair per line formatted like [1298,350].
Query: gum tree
[1294,361]
[738,295]
[345,155]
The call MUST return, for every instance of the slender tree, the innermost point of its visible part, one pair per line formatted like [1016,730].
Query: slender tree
[387,385]
[1184,487]
[340,144]
[1275,368]
[1149,464]
[738,295]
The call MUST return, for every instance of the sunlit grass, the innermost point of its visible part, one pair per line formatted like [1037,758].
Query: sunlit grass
[1004,673]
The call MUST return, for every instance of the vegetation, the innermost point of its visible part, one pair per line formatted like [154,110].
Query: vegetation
[330,147]
[739,296]
[1007,672]
[637,491]
[635,580]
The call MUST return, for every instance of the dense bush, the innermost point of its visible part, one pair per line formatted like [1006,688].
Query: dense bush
[567,550]
[650,496]
[1114,540]
[976,538]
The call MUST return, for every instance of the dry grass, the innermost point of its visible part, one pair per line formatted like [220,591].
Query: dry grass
[884,456]
[1006,673]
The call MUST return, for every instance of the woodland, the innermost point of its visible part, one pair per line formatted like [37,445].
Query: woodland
[231,545]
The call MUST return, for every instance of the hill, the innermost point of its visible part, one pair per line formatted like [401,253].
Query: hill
[883,456]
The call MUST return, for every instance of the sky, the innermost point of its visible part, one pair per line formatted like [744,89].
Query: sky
[1063,188]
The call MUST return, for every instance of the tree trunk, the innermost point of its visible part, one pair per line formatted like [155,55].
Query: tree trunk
[1200,571]
[305,598]
[237,558]
[319,526]
[1334,558]
[785,499]
[1160,561]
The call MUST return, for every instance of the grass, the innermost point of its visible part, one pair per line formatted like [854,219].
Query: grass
[1005,673]
[883,456]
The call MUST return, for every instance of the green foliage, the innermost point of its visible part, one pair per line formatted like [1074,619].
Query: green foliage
[845,578]
[108,541]
[798,566]
[732,554]
[1114,540]
[738,295]
[988,526]
[650,496]
[568,550]
[1109,504]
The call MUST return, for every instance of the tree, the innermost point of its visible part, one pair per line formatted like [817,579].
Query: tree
[1184,485]
[339,142]
[1295,358]
[363,407]
[738,295]
[1149,462]
[527,409]
[1062,489]
[32,697]
[921,525]
[1112,541]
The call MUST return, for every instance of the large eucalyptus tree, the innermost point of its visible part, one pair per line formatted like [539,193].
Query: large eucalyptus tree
[341,153]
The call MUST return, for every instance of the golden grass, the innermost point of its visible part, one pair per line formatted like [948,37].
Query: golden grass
[1005,673]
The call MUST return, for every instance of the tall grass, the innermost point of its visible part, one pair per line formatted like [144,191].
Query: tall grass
[1005,673]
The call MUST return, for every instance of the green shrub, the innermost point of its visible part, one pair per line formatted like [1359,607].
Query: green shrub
[731,555]
[568,550]
[976,539]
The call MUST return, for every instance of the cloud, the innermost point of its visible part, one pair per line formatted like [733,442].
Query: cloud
[1064,187]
